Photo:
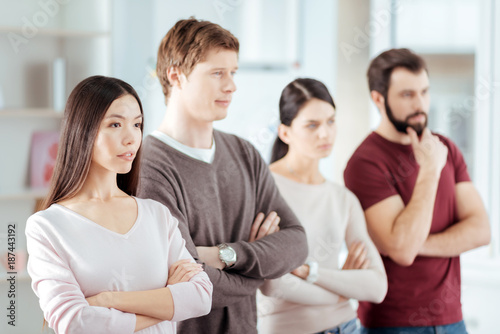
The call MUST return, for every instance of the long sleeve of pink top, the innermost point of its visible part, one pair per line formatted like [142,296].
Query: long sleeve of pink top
[71,258]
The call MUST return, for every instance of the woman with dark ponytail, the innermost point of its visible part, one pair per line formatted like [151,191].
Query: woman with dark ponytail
[293,97]
[100,259]
[314,298]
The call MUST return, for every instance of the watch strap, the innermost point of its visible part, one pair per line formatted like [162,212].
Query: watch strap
[227,263]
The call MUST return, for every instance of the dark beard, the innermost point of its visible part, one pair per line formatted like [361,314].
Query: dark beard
[401,126]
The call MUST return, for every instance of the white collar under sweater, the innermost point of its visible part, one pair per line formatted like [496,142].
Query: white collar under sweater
[202,154]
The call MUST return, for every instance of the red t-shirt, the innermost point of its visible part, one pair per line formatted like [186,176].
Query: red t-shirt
[427,293]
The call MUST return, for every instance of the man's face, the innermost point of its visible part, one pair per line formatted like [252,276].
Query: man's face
[407,103]
[207,91]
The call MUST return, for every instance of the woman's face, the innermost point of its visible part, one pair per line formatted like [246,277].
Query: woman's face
[119,136]
[312,132]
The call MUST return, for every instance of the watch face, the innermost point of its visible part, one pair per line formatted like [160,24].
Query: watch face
[227,254]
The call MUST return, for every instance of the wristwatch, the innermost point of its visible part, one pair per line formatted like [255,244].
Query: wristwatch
[227,255]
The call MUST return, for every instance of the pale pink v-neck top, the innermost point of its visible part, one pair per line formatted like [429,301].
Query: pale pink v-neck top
[72,257]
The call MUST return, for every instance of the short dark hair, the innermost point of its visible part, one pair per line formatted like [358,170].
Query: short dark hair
[187,43]
[381,67]
[293,98]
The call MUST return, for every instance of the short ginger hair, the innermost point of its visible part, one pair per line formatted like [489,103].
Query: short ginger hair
[187,43]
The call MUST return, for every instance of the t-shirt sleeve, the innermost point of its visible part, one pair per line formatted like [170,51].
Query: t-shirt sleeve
[194,298]
[369,181]
[281,252]
[61,299]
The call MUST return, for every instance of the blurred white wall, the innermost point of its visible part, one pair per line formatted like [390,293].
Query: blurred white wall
[303,27]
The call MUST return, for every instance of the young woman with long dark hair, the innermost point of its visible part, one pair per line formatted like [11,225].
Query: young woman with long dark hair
[100,259]
[314,297]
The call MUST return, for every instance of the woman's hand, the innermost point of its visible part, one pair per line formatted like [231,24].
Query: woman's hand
[356,259]
[102,299]
[301,272]
[183,271]
[342,299]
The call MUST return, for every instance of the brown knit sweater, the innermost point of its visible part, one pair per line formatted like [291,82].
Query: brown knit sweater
[217,203]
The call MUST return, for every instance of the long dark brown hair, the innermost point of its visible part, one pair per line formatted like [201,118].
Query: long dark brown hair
[293,98]
[85,109]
